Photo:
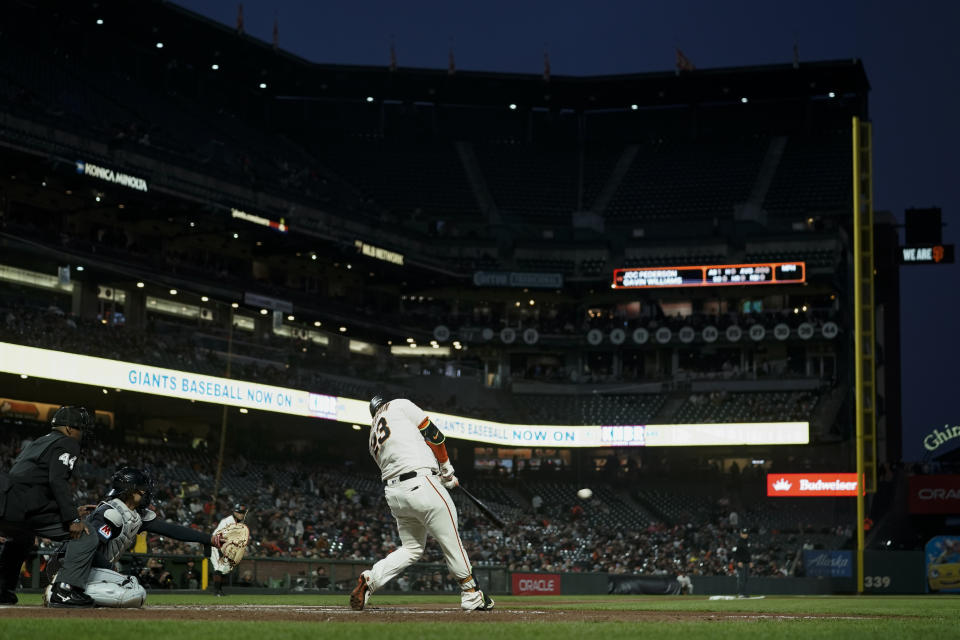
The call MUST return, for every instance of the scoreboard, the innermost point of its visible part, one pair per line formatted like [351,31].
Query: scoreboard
[710,275]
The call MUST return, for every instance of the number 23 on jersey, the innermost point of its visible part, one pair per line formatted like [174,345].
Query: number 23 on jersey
[378,436]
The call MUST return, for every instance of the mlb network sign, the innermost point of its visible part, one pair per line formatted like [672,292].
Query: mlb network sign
[782,485]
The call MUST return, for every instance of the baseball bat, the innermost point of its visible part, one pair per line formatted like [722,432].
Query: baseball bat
[484,509]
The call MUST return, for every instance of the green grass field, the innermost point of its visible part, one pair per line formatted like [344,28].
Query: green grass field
[687,618]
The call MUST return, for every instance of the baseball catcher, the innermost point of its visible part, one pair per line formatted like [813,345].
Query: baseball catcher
[82,571]
[233,536]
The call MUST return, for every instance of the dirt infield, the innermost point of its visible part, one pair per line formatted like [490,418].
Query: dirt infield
[294,613]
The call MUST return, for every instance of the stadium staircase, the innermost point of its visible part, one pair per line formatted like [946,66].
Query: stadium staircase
[478,183]
[670,407]
[767,170]
[616,177]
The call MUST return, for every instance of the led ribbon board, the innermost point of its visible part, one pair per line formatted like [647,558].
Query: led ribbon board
[113,374]
[711,275]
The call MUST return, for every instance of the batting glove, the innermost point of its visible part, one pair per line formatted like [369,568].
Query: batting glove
[449,482]
[446,469]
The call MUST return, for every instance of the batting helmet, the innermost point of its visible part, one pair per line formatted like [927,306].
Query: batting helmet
[129,479]
[376,402]
[240,507]
[74,417]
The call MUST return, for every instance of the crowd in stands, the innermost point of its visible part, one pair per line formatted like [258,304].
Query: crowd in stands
[334,513]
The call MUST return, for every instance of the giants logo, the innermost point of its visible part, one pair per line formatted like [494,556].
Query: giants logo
[536,584]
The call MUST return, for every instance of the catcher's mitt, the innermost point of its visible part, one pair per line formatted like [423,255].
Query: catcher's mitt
[233,542]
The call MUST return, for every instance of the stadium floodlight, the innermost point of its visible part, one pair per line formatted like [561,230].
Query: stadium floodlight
[263,312]
[173,292]
[215,67]
[744,100]
[832,95]
[140,285]
[204,299]
[313,256]
[159,45]
[291,318]
[634,107]
[235,305]
[411,340]
[343,329]
[99,20]
[263,85]
[97,198]
[236,235]
[80,267]
[369,98]
[244,410]
[317,323]
[356,427]
[513,107]
[24,376]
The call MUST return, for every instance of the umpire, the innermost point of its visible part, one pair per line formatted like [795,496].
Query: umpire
[741,556]
[35,496]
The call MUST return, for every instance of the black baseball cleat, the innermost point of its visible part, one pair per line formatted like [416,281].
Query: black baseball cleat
[8,597]
[475,601]
[65,596]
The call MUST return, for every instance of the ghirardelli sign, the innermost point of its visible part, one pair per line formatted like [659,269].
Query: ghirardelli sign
[939,437]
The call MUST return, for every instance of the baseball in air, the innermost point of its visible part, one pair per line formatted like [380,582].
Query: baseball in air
[585,494]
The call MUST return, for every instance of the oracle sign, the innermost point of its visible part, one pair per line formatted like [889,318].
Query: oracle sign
[935,494]
[780,485]
[536,584]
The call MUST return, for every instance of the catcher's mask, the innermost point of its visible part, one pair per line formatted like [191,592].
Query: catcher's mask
[127,480]
[376,402]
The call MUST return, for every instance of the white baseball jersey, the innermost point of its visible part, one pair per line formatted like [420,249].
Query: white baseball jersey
[396,443]
[220,565]
[420,504]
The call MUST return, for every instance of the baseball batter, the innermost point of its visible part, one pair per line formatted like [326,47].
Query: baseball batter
[220,565]
[416,472]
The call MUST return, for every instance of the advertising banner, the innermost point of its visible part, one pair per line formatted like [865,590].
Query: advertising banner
[935,494]
[780,485]
[942,555]
[828,564]
[126,376]
[535,584]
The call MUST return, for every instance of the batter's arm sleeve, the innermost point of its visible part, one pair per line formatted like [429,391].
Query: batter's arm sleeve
[63,455]
[176,531]
[435,440]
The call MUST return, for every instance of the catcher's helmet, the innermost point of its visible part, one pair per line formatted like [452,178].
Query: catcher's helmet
[127,480]
[376,402]
[73,416]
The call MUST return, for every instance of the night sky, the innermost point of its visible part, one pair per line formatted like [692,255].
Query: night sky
[910,51]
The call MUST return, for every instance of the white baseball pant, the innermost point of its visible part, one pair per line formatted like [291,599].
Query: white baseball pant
[421,505]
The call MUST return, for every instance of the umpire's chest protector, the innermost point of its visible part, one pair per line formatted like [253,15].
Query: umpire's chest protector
[127,523]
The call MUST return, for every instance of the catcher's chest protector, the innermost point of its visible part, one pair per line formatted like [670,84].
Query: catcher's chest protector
[129,522]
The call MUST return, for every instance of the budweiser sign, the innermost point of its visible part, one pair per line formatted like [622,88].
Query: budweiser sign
[811,484]
[536,584]
[935,494]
